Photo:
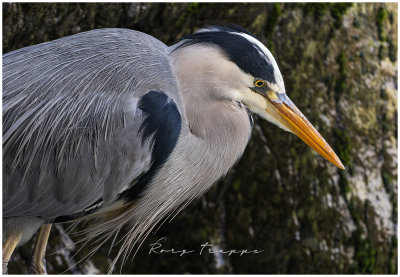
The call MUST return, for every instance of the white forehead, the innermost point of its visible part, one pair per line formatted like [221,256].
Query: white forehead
[279,86]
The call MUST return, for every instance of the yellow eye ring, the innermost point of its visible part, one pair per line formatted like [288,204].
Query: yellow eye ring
[259,83]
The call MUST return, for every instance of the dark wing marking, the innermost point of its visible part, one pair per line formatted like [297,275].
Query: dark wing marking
[71,119]
[163,125]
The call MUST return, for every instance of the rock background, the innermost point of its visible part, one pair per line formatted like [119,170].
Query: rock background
[339,63]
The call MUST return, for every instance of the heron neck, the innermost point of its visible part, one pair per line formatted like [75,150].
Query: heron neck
[219,127]
[203,75]
[214,135]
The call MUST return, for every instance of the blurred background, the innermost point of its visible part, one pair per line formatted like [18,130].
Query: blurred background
[339,64]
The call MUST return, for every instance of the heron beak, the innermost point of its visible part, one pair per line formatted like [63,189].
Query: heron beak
[291,117]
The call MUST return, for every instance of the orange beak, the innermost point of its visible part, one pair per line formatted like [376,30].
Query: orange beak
[291,117]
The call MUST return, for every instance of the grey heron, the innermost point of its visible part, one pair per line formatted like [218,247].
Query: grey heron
[113,125]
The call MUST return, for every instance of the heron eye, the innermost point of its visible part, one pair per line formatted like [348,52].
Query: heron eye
[259,83]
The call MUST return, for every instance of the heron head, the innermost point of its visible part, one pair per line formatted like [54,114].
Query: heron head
[256,81]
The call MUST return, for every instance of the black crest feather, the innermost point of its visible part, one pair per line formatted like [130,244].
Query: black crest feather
[245,54]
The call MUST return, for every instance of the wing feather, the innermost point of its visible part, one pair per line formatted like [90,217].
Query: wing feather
[71,121]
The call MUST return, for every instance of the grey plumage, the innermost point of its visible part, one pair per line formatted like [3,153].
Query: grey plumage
[71,127]
[76,111]
[112,124]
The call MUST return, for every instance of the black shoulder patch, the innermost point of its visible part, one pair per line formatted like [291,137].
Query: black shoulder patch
[163,121]
[246,55]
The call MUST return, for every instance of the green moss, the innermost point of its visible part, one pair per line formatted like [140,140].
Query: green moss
[381,52]
[236,185]
[387,180]
[337,12]
[392,261]
[190,9]
[381,17]
[317,9]
[344,184]
[273,19]
[392,51]
[270,26]
[364,254]
[343,146]
[271,46]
